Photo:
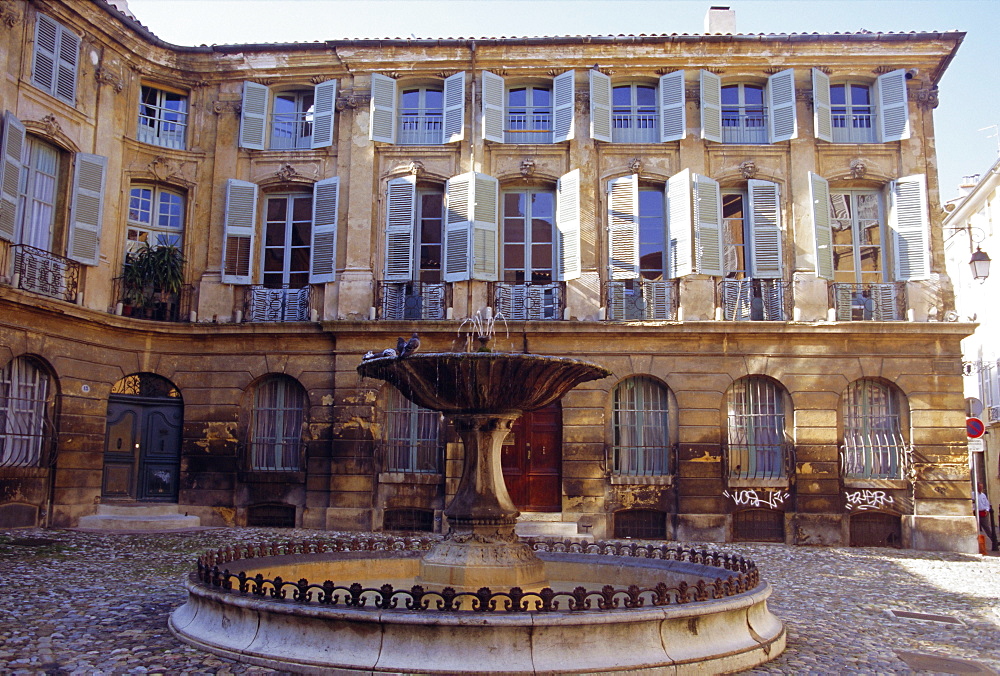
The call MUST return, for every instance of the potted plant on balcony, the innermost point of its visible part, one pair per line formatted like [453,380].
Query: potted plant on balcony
[151,281]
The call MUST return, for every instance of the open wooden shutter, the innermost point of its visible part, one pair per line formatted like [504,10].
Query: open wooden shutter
[673,117]
[55,59]
[616,301]
[600,106]
[240,227]
[736,300]
[11,151]
[679,210]
[325,103]
[568,225]
[893,106]
[253,118]
[819,196]
[658,299]
[458,228]
[711,107]
[844,300]
[623,227]
[493,107]
[400,213]
[910,225]
[485,227]
[382,125]
[765,229]
[782,123]
[563,104]
[454,108]
[708,225]
[87,210]
[322,267]
[885,301]
[822,110]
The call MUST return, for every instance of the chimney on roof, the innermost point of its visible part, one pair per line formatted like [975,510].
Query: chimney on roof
[720,20]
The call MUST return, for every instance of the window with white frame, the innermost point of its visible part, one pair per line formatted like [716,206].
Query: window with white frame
[287,118]
[748,113]
[874,445]
[55,59]
[25,413]
[858,236]
[528,112]
[163,117]
[861,112]
[299,235]
[417,113]
[410,441]
[637,112]
[31,174]
[756,429]
[155,217]
[641,428]
[276,424]
[528,235]
[752,253]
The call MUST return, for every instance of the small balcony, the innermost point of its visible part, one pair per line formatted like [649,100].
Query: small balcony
[420,128]
[154,305]
[291,131]
[45,273]
[758,463]
[758,300]
[642,300]
[159,132]
[528,128]
[634,128]
[749,127]
[529,300]
[262,304]
[853,128]
[878,302]
[413,300]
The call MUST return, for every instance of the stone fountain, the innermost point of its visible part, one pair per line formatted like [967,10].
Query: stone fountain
[480,600]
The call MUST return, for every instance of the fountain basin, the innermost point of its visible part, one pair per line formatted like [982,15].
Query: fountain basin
[671,619]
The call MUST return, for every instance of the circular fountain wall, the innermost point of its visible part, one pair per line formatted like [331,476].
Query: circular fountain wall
[612,607]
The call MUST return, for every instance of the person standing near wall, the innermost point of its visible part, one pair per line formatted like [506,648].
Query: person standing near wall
[983,510]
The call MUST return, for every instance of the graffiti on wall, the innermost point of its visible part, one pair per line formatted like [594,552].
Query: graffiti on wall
[754,497]
[866,499]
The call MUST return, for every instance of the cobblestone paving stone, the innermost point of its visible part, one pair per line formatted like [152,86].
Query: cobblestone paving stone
[97,603]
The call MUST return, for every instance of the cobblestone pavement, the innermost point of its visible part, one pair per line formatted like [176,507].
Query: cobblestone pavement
[97,603]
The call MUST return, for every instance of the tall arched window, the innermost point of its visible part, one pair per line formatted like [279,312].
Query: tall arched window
[641,428]
[24,413]
[279,406]
[756,429]
[874,445]
[411,436]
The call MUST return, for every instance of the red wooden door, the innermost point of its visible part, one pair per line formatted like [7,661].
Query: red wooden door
[532,461]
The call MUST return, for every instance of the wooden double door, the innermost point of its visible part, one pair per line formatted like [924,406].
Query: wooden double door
[142,449]
[532,461]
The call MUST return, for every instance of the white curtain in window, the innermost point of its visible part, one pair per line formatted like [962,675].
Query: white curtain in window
[411,436]
[641,430]
[873,438]
[276,429]
[756,429]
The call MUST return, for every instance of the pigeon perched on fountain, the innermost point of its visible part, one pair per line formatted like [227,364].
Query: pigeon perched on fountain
[409,347]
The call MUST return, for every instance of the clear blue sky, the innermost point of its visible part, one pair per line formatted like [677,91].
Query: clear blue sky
[970,89]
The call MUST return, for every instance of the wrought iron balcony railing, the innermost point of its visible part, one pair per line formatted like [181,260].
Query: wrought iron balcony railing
[159,132]
[853,128]
[881,302]
[760,300]
[262,304]
[157,306]
[413,300]
[744,126]
[642,300]
[533,127]
[420,128]
[762,461]
[529,300]
[290,131]
[634,128]
[45,273]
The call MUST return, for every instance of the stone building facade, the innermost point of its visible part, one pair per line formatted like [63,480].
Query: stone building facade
[744,229]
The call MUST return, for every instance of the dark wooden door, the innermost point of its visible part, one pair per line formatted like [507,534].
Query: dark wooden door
[532,461]
[142,449]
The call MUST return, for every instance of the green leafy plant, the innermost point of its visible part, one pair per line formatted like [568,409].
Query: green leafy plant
[151,275]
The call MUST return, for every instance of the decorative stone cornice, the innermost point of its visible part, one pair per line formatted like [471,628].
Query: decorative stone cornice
[926,97]
[445,74]
[882,70]
[527,167]
[666,71]
[824,69]
[105,75]
[716,70]
[9,14]
[354,99]
[319,79]
[167,170]
[635,165]
[748,169]
[229,107]
[266,81]
[287,173]
[858,168]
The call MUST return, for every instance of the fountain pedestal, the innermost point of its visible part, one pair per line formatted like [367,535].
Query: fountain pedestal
[481,548]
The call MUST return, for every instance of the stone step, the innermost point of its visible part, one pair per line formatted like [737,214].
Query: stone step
[138,518]
[560,530]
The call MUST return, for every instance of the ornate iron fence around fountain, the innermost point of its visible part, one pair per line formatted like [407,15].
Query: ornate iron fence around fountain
[744,577]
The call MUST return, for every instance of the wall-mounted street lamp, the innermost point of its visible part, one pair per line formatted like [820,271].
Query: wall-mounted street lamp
[980,264]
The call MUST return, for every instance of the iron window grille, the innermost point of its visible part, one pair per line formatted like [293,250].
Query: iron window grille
[760,300]
[642,300]
[756,447]
[26,431]
[640,524]
[641,429]
[263,304]
[413,300]
[529,300]
[880,302]
[758,525]
[45,273]
[411,443]
[874,447]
